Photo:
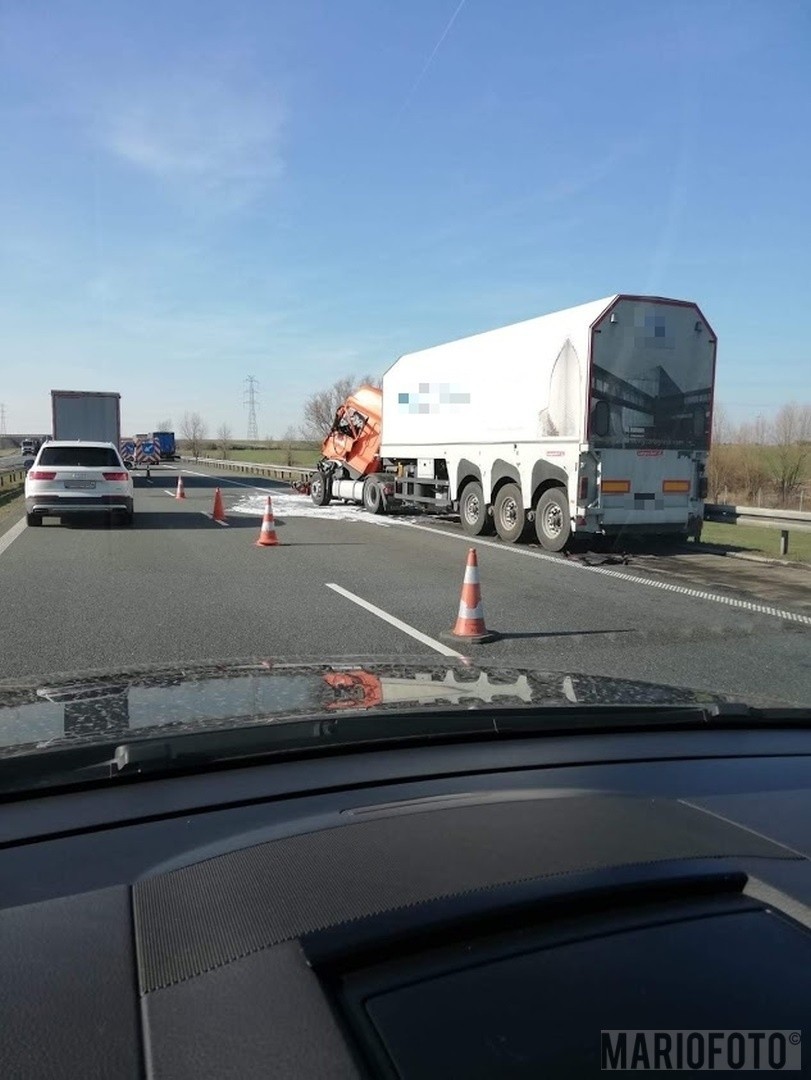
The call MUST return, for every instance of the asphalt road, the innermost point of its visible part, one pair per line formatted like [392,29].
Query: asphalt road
[179,587]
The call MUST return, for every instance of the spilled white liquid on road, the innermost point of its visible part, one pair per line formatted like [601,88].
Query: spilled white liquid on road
[298,506]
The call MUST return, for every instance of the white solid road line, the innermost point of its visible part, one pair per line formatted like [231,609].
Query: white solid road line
[8,538]
[432,643]
[632,579]
[207,514]
[225,480]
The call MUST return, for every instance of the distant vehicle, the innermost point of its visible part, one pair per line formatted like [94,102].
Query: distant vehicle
[86,415]
[28,447]
[166,445]
[595,420]
[76,477]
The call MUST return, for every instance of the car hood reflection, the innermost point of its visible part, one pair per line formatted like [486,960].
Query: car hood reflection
[142,702]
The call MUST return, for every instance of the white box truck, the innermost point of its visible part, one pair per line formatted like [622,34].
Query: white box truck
[592,420]
[86,414]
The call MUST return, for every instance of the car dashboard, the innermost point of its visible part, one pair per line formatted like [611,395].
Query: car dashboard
[482,909]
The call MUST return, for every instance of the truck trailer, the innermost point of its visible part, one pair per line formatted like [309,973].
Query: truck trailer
[86,414]
[167,445]
[594,420]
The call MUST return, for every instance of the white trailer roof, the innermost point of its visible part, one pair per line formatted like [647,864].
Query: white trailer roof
[497,385]
[573,322]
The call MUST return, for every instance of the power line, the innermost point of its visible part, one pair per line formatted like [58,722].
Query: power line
[251,394]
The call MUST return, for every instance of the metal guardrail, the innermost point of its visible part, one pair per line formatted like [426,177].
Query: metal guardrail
[11,478]
[784,520]
[274,472]
[756,515]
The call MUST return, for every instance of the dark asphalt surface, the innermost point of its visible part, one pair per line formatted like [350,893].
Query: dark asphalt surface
[179,587]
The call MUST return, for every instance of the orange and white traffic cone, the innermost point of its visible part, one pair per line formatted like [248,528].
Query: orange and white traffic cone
[267,534]
[180,493]
[218,513]
[470,620]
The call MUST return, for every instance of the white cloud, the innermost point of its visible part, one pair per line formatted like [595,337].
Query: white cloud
[205,135]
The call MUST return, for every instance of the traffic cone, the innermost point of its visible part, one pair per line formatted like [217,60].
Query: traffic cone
[218,513]
[267,534]
[180,493]
[470,620]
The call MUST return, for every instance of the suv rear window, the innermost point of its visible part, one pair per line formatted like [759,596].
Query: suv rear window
[88,456]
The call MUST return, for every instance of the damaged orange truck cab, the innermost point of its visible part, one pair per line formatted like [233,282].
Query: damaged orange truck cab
[354,438]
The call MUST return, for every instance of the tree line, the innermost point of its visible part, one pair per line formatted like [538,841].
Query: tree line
[760,461]
[765,461]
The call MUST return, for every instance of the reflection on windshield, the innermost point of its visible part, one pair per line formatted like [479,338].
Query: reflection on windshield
[105,710]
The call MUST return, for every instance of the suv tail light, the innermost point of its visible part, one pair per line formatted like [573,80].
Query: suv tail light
[114,475]
[41,474]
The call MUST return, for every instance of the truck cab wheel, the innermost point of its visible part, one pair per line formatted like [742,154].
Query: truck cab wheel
[320,488]
[374,501]
[553,525]
[509,514]
[473,511]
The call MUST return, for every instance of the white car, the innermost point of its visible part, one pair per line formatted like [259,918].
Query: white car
[75,477]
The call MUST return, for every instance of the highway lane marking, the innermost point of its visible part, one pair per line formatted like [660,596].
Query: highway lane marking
[682,590]
[8,538]
[432,643]
[225,480]
[207,514]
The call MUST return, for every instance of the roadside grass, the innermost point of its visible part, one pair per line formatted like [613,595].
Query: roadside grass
[11,504]
[277,456]
[758,539]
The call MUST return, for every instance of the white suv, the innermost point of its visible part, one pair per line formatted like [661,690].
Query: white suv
[78,478]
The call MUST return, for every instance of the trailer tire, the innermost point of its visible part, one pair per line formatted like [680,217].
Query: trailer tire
[509,514]
[473,510]
[320,488]
[553,525]
[374,501]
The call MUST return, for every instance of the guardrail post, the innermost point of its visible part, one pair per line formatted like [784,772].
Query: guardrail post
[784,541]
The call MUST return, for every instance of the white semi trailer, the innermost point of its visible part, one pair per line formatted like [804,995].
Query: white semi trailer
[592,420]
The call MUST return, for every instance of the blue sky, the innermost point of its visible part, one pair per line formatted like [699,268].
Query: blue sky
[195,191]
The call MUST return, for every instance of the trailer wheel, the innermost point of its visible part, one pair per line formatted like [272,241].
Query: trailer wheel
[320,488]
[509,514]
[473,511]
[553,525]
[374,501]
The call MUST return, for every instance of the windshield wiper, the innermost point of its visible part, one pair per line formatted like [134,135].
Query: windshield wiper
[192,751]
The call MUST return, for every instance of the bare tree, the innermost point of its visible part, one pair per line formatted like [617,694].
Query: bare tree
[289,446]
[224,439]
[164,425]
[720,463]
[320,408]
[193,429]
[789,455]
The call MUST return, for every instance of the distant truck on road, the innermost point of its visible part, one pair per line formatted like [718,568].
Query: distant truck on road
[86,414]
[166,445]
[594,420]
